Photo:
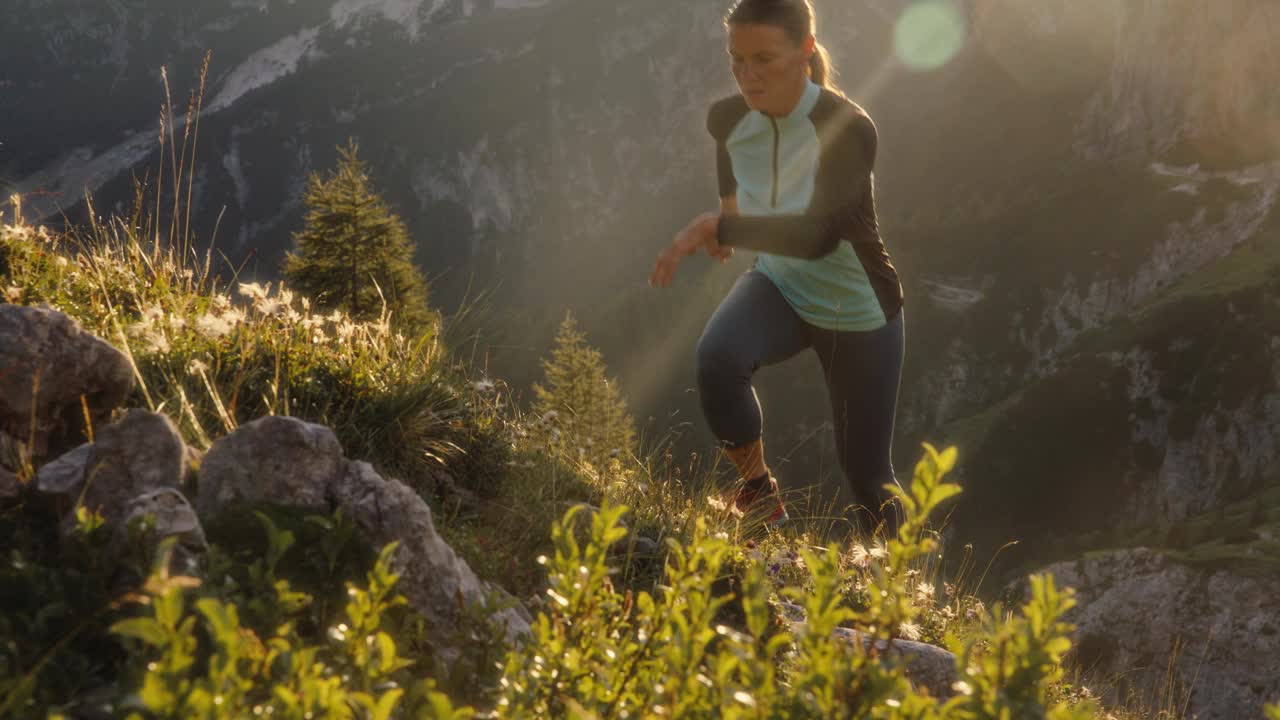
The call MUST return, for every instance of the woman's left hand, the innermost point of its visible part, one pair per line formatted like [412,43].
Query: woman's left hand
[699,233]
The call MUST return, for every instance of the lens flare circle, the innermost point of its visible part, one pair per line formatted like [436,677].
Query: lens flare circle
[929,34]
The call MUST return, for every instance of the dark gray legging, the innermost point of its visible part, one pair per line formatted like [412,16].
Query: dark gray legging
[755,326]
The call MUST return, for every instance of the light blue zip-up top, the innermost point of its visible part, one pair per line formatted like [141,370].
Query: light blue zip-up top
[804,184]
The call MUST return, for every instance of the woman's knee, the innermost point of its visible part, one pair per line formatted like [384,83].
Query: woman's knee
[717,361]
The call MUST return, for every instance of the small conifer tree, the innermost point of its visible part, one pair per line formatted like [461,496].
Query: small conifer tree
[354,253]
[578,404]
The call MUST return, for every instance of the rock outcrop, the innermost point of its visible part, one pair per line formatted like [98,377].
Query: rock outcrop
[286,461]
[10,487]
[133,471]
[47,364]
[137,455]
[274,459]
[1141,614]
[927,666]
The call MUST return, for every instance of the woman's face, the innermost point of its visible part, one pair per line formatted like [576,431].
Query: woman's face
[769,67]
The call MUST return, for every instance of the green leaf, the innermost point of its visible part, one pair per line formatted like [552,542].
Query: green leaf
[947,460]
[142,628]
[387,704]
[169,606]
[222,618]
[386,651]
[155,695]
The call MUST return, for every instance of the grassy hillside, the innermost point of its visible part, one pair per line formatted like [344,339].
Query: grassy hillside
[213,354]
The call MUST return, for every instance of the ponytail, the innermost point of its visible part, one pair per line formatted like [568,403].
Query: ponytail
[820,67]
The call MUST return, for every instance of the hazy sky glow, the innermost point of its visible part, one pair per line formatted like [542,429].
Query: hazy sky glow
[929,34]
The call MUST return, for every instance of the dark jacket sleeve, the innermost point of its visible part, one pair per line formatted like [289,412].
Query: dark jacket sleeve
[843,176]
[721,118]
[724,171]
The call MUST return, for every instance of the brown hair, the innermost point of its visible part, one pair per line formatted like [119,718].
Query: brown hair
[797,19]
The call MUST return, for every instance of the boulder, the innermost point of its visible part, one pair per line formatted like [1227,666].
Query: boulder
[637,547]
[927,665]
[288,462]
[134,469]
[10,487]
[47,364]
[171,515]
[1145,617]
[65,475]
[432,577]
[137,455]
[273,459]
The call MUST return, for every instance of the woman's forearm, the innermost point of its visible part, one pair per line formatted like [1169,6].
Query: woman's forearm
[807,236]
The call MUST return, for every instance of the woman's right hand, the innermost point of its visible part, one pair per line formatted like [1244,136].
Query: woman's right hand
[699,233]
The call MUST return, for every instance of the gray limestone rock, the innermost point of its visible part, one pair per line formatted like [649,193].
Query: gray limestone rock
[1142,613]
[65,475]
[171,515]
[140,453]
[10,487]
[47,364]
[433,578]
[275,459]
[927,665]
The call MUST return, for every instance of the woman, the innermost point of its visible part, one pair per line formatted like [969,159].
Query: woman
[795,160]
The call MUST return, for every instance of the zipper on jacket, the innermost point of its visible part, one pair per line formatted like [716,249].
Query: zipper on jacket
[774,200]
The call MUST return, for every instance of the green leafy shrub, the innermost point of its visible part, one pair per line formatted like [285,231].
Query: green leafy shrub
[599,653]
[206,664]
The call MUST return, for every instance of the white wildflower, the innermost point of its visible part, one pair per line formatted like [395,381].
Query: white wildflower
[152,315]
[213,326]
[860,556]
[909,630]
[197,367]
[267,305]
[13,293]
[924,593]
[253,291]
[155,340]
[234,316]
[483,386]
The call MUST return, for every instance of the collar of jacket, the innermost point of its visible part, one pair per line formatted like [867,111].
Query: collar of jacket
[808,100]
